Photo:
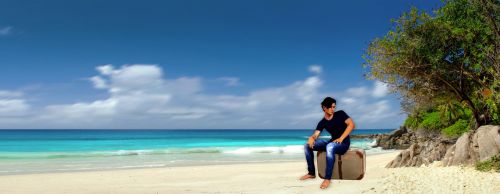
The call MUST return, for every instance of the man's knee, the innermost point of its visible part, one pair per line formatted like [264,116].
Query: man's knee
[306,146]
[331,146]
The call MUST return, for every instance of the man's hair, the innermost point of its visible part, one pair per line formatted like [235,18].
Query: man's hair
[327,102]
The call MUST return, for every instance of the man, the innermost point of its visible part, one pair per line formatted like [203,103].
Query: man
[339,125]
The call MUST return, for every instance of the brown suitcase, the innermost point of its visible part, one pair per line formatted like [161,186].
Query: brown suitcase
[350,166]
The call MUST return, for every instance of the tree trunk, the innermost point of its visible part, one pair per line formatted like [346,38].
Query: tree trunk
[477,117]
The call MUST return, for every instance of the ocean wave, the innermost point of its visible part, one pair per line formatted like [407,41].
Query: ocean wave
[367,145]
[78,168]
[56,155]
[194,151]
[291,149]
[373,143]
[171,151]
[377,150]
[60,155]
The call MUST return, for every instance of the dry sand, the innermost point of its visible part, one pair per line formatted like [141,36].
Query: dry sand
[455,179]
[254,178]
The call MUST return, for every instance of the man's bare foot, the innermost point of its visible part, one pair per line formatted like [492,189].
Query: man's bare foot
[307,176]
[325,184]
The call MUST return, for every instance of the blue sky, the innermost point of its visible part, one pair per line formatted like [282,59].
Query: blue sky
[191,64]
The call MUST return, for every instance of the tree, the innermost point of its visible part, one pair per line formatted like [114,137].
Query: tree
[448,57]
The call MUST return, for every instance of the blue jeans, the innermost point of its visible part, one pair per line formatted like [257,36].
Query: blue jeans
[331,149]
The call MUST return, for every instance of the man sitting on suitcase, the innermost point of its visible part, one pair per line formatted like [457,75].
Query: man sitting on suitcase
[339,125]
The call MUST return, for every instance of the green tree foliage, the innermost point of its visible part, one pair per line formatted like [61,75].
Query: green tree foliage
[443,62]
[457,129]
[431,121]
[451,119]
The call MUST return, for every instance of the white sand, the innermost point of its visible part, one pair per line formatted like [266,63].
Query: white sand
[245,178]
[453,179]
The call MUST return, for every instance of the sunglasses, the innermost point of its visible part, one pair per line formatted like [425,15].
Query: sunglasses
[331,107]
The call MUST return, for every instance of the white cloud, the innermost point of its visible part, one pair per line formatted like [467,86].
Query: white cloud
[230,81]
[10,94]
[379,89]
[368,107]
[140,97]
[99,83]
[13,107]
[136,91]
[4,31]
[348,100]
[105,69]
[86,111]
[12,104]
[136,77]
[183,86]
[358,91]
[302,92]
[141,91]
[315,69]
[140,102]
[372,112]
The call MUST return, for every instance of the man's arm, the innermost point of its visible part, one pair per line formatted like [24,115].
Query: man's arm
[350,127]
[313,138]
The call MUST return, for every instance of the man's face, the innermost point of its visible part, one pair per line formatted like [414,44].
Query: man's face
[329,110]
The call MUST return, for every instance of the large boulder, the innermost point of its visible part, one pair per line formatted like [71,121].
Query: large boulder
[462,151]
[471,148]
[488,141]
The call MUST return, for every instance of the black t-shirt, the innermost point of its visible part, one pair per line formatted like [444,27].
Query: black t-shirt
[335,126]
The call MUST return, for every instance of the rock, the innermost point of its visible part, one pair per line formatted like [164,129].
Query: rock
[439,152]
[468,149]
[398,139]
[473,149]
[414,150]
[448,157]
[396,161]
[404,158]
[399,132]
[461,155]
[422,153]
[488,141]
[361,136]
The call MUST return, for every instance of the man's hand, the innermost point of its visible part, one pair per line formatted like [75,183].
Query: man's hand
[339,140]
[311,142]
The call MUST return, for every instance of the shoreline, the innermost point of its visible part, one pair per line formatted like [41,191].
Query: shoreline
[272,177]
[299,158]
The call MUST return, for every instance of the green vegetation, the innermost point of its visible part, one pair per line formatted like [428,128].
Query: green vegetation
[457,129]
[445,65]
[431,121]
[451,120]
[491,164]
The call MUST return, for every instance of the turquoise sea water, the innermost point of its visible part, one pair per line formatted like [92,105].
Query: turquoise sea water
[32,151]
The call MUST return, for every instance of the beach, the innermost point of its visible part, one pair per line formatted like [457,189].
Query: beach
[273,177]
[203,161]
